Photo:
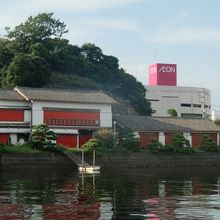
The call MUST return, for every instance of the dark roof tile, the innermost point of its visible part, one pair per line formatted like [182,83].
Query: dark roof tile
[146,123]
[57,95]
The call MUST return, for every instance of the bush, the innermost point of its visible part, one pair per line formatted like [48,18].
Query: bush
[91,145]
[154,146]
[180,141]
[207,144]
[104,138]
[42,138]
[129,141]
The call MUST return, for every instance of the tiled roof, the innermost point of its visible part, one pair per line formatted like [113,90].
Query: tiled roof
[146,123]
[55,95]
[10,95]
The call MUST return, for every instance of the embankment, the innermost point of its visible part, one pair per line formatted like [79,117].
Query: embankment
[138,160]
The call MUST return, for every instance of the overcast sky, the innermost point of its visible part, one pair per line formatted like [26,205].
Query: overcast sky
[139,32]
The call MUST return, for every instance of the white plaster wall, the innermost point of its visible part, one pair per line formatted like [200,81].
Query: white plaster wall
[188,136]
[13,138]
[5,103]
[14,130]
[64,131]
[27,115]
[105,111]
[136,134]
[162,138]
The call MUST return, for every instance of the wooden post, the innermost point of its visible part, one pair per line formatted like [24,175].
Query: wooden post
[82,158]
[93,158]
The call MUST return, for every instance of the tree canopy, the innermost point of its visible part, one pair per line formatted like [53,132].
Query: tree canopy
[35,54]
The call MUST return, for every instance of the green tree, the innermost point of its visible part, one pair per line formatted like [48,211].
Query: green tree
[26,70]
[180,141]
[172,112]
[42,137]
[35,50]
[104,138]
[207,144]
[154,146]
[129,141]
[92,53]
[36,29]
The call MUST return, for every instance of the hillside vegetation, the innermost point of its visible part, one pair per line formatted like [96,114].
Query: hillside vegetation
[34,54]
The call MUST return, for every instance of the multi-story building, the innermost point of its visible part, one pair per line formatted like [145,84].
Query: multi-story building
[163,94]
[72,115]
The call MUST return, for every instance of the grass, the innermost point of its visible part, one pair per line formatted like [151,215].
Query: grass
[17,149]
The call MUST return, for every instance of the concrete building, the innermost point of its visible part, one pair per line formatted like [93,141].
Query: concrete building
[72,115]
[163,94]
[189,102]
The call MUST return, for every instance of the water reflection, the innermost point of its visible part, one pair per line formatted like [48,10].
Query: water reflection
[114,194]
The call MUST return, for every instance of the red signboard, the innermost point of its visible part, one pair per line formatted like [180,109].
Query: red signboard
[162,74]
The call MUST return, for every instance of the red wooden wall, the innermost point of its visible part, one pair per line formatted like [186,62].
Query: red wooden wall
[146,137]
[197,138]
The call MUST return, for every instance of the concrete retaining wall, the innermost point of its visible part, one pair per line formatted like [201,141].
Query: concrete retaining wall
[159,160]
[144,160]
[41,160]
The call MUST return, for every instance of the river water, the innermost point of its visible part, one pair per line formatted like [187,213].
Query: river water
[113,194]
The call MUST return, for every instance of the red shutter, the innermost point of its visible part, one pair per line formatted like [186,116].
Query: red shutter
[11,115]
[4,138]
[68,140]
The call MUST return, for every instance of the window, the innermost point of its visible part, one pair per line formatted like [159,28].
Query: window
[186,115]
[197,105]
[170,96]
[153,100]
[185,105]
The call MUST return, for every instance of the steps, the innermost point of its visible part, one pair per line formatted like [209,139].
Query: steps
[77,160]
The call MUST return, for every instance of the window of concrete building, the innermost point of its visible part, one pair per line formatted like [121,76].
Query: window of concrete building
[190,115]
[170,96]
[153,100]
[185,105]
[197,105]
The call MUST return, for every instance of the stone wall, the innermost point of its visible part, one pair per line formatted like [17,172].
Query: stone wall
[159,160]
[138,160]
[41,160]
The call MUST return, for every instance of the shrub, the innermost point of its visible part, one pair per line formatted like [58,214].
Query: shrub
[172,112]
[129,141]
[104,138]
[91,145]
[42,138]
[207,144]
[154,146]
[180,141]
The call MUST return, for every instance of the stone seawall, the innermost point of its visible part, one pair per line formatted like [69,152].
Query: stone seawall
[158,160]
[41,160]
[138,160]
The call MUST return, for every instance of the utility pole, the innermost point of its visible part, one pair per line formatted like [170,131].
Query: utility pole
[202,101]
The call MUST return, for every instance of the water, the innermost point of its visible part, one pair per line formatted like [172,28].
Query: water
[114,194]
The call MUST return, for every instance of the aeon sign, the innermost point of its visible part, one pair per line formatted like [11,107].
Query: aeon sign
[167,69]
[162,74]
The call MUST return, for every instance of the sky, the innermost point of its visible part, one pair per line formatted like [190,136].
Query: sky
[139,33]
